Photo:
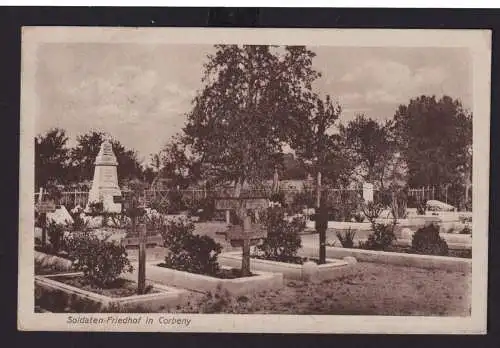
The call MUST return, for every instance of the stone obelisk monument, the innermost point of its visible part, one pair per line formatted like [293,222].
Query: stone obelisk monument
[105,187]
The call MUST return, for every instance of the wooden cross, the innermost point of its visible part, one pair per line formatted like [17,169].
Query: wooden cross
[136,209]
[44,207]
[247,233]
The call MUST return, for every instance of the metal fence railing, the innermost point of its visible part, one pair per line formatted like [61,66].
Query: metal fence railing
[334,196]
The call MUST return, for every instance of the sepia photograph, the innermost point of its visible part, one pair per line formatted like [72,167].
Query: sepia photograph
[254,180]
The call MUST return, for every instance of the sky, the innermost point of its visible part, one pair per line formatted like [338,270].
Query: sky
[139,93]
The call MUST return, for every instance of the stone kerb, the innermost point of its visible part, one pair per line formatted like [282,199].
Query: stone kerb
[453,264]
[164,296]
[332,269]
[201,283]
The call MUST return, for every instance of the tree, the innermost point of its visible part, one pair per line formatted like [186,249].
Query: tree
[51,158]
[240,119]
[369,147]
[435,139]
[83,157]
[313,142]
[177,164]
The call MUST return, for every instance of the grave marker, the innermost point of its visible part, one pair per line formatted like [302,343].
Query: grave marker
[247,233]
[44,207]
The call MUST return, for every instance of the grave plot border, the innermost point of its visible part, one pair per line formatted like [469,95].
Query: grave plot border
[164,297]
[333,269]
[202,283]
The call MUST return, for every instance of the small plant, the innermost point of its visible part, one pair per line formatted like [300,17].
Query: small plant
[466,230]
[283,239]
[101,261]
[346,239]
[428,241]
[190,252]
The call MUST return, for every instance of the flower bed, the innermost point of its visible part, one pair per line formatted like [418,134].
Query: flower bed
[448,263]
[291,270]
[204,283]
[69,292]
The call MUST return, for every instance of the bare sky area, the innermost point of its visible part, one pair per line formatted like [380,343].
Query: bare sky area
[139,93]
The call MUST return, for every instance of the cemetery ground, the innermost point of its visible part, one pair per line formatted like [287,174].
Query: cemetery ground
[370,289]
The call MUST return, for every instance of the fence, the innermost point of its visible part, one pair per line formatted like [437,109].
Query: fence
[453,195]
[335,196]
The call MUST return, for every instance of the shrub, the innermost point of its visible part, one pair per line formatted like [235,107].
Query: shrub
[101,261]
[283,239]
[427,241]
[381,237]
[190,252]
[346,239]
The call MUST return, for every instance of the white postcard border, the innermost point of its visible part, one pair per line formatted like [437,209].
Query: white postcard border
[477,41]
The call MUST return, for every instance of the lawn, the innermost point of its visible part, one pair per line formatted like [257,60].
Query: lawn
[374,290]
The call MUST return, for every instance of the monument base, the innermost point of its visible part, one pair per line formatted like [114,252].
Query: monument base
[111,199]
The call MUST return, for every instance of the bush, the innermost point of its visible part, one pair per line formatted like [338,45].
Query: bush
[381,238]
[189,252]
[283,239]
[427,241]
[347,239]
[101,261]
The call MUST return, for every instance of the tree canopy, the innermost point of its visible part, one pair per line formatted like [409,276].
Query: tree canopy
[369,146]
[240,119]
[51,158]
[435,139]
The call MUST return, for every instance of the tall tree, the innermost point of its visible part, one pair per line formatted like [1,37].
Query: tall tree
[314,142]
[435,138]
[83,157]
[369,146]
[240,118]
[51,158]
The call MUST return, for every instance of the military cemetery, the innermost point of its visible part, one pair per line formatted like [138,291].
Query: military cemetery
[256,205]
